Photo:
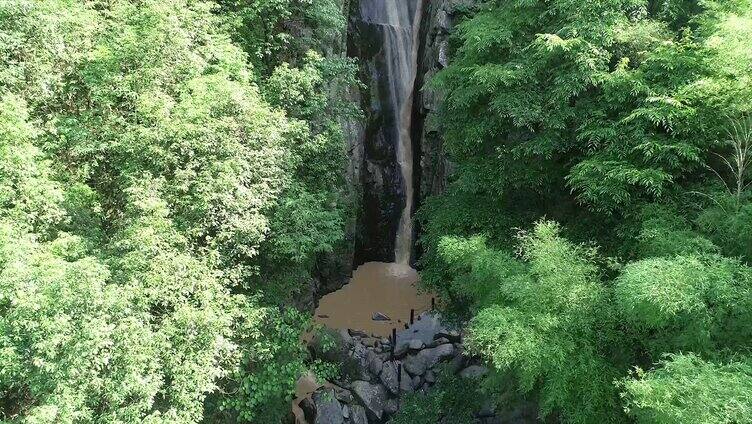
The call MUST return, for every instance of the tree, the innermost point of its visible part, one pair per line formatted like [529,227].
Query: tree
[144,166]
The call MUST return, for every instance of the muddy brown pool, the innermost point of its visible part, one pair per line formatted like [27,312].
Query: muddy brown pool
[387,288]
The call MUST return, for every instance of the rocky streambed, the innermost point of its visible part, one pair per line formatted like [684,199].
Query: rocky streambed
[385,356]
[380,376]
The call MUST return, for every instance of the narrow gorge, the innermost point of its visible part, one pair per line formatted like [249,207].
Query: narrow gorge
[386,330]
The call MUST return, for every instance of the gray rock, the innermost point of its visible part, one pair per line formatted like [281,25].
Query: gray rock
[487,410]
[443,21]
[358,415]
[444,54]
[345,336]
[438,342]
[430,377]
[309,409]
[389,377]
[406,383]
[452,335]
[437,354]
[346,412]
[474,372]
[357,333]
[417,382]
[391,407]
[416,345]
[328,408]
[400,351]
[343,395]
[415,365]
[361,355]
[375,365]
[372,396]
[425,329]
[378,316]
[457,364]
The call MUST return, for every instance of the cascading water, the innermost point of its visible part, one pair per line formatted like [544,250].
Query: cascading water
[400,22]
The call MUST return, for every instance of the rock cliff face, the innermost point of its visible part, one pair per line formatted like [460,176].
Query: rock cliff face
[374,170]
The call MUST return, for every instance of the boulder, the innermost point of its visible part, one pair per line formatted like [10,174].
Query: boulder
[453,336]
[360,355]
[438,342]
[415,365]
[343,395]
[372,396]
[309,409]
[430,377]
[417,382]
[400,351]
[346,412]
[375,365]
[391,407]
[357,333]
[406,383]
[344,336]
[487,410]
[358,415]
[389,377]
[378,316]
[328,408]
[437,354]
[457,364]
[415,345]
[330,345]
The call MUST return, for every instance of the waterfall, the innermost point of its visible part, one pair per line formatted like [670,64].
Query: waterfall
[400,20]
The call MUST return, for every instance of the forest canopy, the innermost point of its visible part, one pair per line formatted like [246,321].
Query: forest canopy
[157,208]
[596,232]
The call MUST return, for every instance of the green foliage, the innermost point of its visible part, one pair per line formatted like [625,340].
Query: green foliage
[617,103]
[276,31]
[152,188]
[272,361]
[664,233]
[611,117]
[27,194]
[452,400]
[728,222]
[555,321]
[687,389]
[550,327]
